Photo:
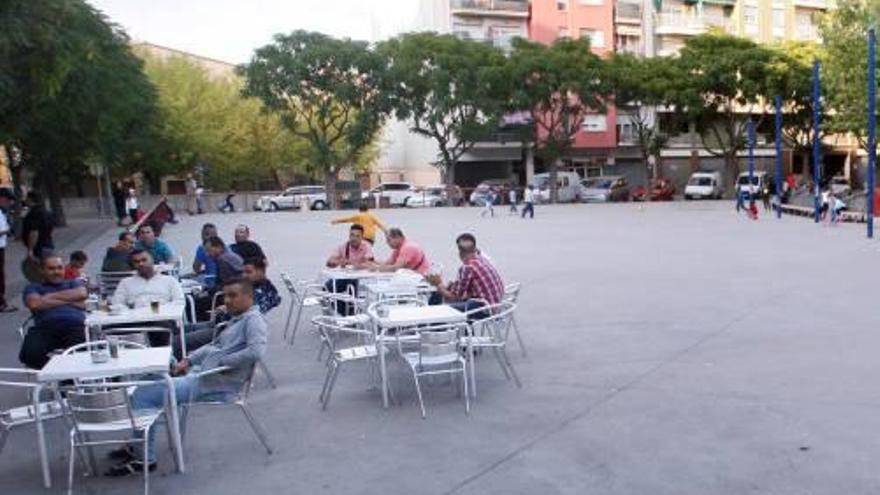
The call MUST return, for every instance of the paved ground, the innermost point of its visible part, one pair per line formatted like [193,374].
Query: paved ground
[674,350]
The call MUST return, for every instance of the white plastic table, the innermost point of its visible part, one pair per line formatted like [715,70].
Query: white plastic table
[410,316]
[334,274]
[143,315]
[79,365]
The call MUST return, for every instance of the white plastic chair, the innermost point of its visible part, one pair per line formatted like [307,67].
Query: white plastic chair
[307,295]
[329,330]
[105,408]
[24,415]
[489,329]
[511,295]
[438,354]
[108,281]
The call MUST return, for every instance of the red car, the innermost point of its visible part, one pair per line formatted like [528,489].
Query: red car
[661,190]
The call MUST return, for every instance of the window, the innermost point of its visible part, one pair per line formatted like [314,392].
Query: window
[563,32]
[628,43]
[595,123]
[750,19]
[597,37]
[561,5]
[778,22]
[594,170]
[591,2]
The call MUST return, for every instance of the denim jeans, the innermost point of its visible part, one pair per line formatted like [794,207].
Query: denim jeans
[469,305]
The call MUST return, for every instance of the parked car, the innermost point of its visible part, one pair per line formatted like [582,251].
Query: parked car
[704,185]
[840,186]
[567,186]
[396,192]
[604,189]
[500,186]
[661,190]
[293,197]
[431,196]
[760,180]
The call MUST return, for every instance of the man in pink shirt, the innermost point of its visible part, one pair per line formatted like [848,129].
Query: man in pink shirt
[404,254]
[355,252]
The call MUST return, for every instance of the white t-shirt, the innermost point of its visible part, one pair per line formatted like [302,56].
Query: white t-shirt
[529,196]
[140,291]
[4,226]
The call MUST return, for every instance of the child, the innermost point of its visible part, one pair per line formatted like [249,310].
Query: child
[513,209]
[75,269]
[753,209]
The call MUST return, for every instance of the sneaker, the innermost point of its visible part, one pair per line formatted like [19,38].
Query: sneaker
[130,467]
[123,454]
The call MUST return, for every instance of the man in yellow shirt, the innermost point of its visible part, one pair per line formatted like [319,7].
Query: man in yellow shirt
[365,218]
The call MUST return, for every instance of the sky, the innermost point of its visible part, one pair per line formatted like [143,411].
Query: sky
[230,30]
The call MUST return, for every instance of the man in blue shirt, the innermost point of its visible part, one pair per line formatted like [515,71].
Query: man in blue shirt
[158,249]
[58,309]
[204,266]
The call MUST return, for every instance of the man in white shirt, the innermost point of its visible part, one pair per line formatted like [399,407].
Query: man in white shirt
[529,200]
[6,199]
[147,286]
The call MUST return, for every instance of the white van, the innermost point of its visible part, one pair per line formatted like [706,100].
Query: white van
[756,188]
[567,185]
[704,185]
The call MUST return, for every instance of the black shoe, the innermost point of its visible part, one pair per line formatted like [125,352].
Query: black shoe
[127,468]
[123,454]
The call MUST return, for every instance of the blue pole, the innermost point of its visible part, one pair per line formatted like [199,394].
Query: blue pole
[872,128]
[777,102]
[750,129]
[817,201]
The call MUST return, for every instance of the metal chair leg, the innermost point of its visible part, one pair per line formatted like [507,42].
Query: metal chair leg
[269,377]
[296,322]
[419,393]
[333,375]
[510,367]
[289,314]
[464,380]
[501,362]
[330,367]
[258,430]
[70,462]
[146,460]
[519,340]
[4,434]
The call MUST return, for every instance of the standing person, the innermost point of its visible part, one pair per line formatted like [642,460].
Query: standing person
[119,202]
[131,204]
[6,199]
[740,199]
[366,219]
[58,308]
[752,210]
[489,206]
[512,198]
[36,230]
[529,199]
[200,201]
[190,194]
[767,193]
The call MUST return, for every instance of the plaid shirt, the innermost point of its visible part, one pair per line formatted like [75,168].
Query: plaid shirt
[478,279]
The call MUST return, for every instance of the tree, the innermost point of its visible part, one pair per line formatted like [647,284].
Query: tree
[330,92]
[93,102]
[725,81]
[559,84]
[641,85]
[844,71]
[452,91]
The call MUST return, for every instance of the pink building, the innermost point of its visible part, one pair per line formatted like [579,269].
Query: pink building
[550,20]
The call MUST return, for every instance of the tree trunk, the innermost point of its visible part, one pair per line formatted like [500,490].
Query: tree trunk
[449,182]
[554,175]
[330,178]
[53,191]
[731,163]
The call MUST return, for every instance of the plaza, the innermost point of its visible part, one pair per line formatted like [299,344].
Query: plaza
[673,348]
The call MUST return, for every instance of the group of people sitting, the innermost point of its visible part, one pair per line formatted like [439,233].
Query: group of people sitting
[233,335]
[478,280]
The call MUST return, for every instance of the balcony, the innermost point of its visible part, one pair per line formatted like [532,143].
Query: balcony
[628,13]
[691,25]
[498,8]
[812,4]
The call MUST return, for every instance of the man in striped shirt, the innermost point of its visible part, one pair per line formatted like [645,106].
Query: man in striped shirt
[478,280]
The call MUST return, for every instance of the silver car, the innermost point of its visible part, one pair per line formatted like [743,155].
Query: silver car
[293,198]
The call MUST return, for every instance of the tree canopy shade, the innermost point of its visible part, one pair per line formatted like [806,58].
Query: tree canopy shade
[72,90]
[330,92]
[725,80]
[450,90]
[559,84]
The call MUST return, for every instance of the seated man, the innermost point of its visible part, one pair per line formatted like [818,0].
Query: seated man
[245,247]
[477,281]
[145,286]
[116,258]
[158,249]
[238,347]
[404,254]
[229,266]
[203,265]
[265,297]
[355,252]
[58,308]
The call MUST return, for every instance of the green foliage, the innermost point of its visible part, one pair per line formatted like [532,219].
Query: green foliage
[327,91]
[791,72]
[560,84]
[450,90]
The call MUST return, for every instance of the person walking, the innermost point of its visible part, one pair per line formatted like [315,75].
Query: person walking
[228,205]
[7,197]
[119,202]
[529,202]
[191,187]
[489,206]
[512,198]
[200,202]
[131,204]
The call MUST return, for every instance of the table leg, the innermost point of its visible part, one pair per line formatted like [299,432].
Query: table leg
[41,438]
[180,331]
[174,423]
